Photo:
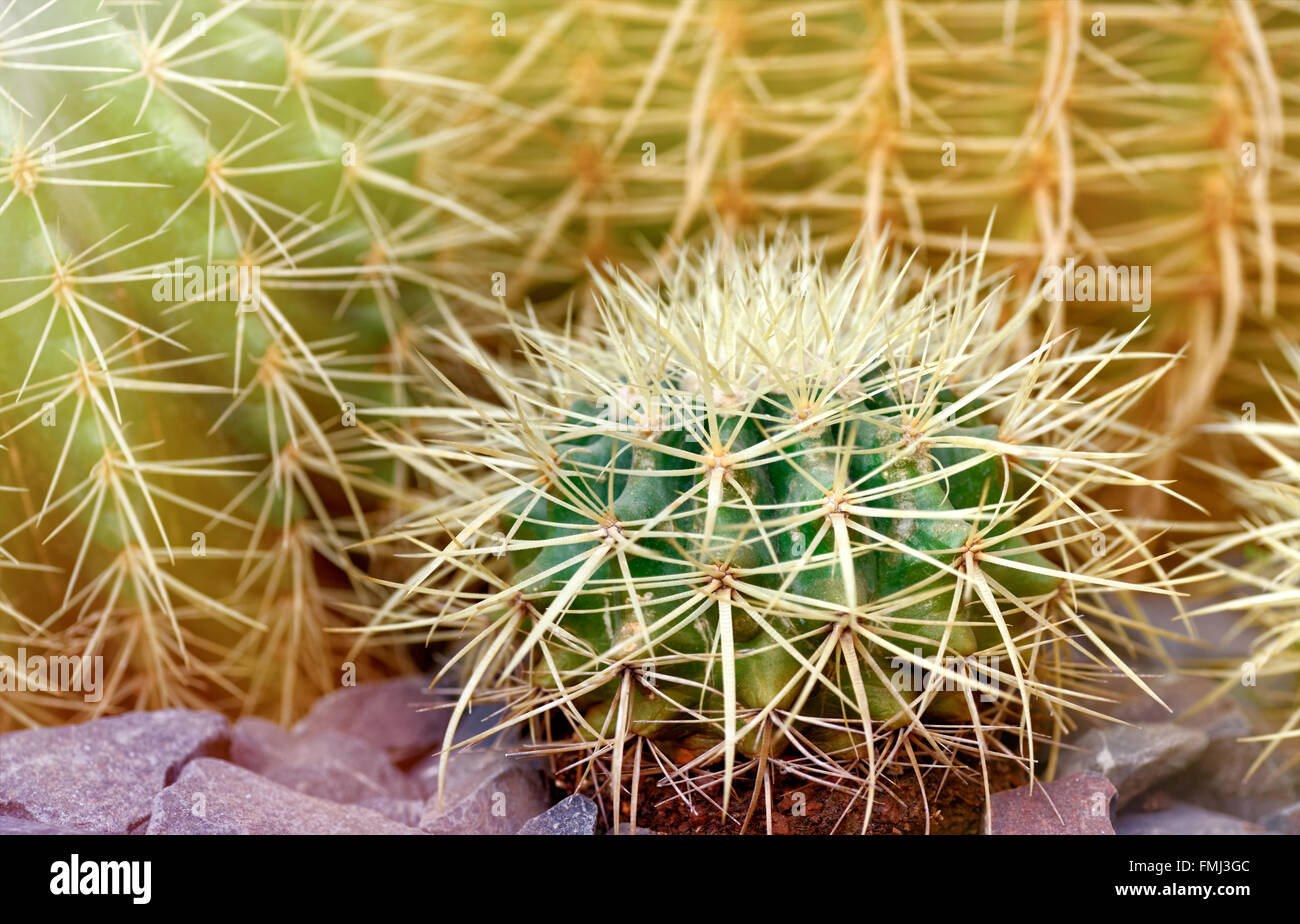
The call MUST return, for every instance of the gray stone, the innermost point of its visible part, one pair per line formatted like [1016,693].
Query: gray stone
[1077,804]
[327,764]
[395,716]
[575,815]
[1219,780]
[1284,821]
[1216,779]
[1184,819]
[217,797]
[488,794]
[1134,757]
[102,776]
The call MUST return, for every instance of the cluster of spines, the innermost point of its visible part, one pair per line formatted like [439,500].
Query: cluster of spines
[742,325]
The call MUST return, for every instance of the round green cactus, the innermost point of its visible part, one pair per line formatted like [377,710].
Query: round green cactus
[213,225]
[775,511]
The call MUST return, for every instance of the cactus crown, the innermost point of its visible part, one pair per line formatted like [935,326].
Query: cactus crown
[777,511]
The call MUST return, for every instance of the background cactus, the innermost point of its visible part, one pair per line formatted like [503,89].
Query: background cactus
[1137,134]
[760,503]
[1254,559]
[211,215]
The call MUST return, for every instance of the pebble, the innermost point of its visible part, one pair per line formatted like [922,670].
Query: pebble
[575,815]
[1183,818]
[1076,804]
[394,716]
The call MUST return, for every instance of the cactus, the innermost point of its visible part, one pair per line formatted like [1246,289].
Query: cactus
[1145,134]
[216,250]
[1253,559]
[748,513]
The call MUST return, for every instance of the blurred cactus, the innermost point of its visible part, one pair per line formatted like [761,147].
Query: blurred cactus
[1131,135]
[212,221]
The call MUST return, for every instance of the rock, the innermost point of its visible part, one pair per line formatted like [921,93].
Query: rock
[257,743]
[575,815]
[327,764]
[1284,821]
[102,776]
[1134,757]
[1216,780]
[481,719]
[465,770]
[489,794]
[1077,804]
[470,760]
[394,716]
[1181,693]
[403,811]
[13,825]
[1184,819]
[216,797]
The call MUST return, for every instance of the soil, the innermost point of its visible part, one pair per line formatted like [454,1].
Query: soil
[953,803]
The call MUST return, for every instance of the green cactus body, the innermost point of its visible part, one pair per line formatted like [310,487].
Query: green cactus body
[773,538]
[202,204]
[773,511]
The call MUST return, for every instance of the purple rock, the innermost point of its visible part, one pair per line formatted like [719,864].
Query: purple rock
[102,776]
[1078,804]
[257,743]
[395,716]
[575,815]
[486,794]
[1184,819]
[1134,757]
[403,811]
[10,824]
[327,764]
[216,797]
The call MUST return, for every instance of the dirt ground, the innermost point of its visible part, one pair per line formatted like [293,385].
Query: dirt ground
[952,803]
